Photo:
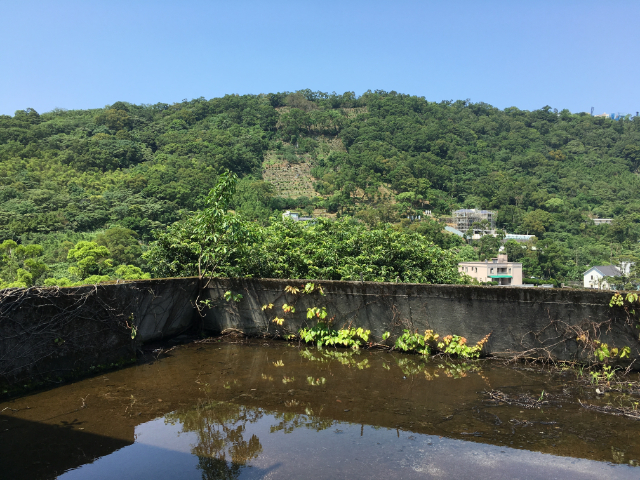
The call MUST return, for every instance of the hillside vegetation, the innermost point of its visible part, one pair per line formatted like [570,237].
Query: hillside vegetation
[116,177]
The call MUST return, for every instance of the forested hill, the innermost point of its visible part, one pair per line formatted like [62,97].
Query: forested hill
[67,176]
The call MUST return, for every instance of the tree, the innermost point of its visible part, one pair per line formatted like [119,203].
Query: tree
[345,250]
[90,258]
[130,272]
[114,119]
[515,250]
[489,246]
[20,265]
[205,240]
[123,245]
[67,174]
[536,222]
[552,258]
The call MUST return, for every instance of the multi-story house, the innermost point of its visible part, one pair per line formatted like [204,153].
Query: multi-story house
[495,269]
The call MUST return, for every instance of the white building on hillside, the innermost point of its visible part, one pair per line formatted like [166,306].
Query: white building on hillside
[602,221]
[595,277]
[295,216]
[518,237]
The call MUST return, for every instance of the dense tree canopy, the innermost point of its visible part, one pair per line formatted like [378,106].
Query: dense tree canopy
[134,170]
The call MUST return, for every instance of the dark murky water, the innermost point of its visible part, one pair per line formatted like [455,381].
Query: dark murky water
[224,411]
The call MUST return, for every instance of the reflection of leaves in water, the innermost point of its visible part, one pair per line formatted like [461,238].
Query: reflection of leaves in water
[290,421]
[348,358]
[458,370]
[314,382]
[418,365]
[617,455]
[430,376]
[411,366]
[228,385]
[218,469]
[220,428]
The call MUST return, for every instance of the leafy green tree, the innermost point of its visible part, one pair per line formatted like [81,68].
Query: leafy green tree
[536,222]
[203,241]
[515,250]
[90,259]
[552,258]
[58,282]
[345,250]
[466,253]
[130,272]
[114,119]
[65,175]
[122,243]
[489,246]
[20,265]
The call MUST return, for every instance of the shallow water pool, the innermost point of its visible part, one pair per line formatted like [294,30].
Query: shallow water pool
[273,410]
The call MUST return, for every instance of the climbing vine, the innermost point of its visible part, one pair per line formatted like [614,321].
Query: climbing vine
[431,343]
[323,333]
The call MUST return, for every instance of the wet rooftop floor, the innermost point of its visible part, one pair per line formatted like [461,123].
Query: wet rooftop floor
[273,410]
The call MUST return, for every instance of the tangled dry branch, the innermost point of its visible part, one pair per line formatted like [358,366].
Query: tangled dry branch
[53,332]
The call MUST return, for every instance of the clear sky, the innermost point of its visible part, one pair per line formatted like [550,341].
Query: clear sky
[90,53]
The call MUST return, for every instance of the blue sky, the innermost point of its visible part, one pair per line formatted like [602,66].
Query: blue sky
[87,54]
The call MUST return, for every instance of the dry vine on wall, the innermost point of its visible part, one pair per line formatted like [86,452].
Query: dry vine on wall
[50,333]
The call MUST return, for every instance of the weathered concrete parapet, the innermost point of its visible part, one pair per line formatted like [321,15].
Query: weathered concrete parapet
[50,332]
[47,333]
[525,322]
[164,308]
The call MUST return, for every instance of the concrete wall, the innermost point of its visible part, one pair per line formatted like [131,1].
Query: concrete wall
[527,322]
[50,332]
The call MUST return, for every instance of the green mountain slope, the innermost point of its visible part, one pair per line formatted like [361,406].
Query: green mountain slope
[65,176]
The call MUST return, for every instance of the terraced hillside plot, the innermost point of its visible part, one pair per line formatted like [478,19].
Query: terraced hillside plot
[290,180]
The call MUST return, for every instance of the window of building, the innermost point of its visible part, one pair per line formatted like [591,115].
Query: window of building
[509,270]
[492,270]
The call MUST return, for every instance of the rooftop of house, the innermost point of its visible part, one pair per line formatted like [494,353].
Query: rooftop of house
[606,270]
[455,231]
[500,259]
[473,210]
